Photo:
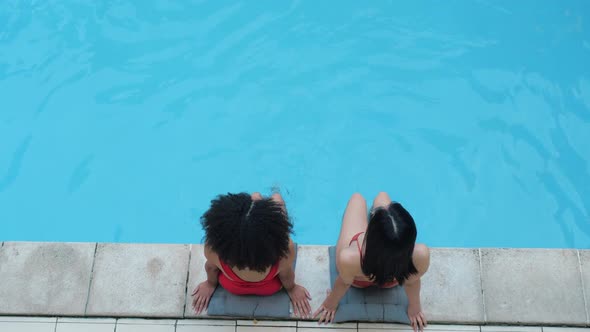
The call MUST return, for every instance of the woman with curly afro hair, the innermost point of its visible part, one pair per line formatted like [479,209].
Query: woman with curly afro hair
[249,250]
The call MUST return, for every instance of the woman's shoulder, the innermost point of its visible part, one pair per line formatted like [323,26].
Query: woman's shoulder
[349,262]
[211,255]
[421,258]
[287,261]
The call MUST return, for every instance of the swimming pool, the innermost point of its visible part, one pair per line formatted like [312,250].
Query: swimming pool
[120,120]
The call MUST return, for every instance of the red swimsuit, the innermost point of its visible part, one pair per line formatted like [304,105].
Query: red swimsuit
[364,283]
[267,286]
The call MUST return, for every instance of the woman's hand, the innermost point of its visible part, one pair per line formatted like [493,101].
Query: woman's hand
[300,299]
[202,295]
[417,318]
[327,310]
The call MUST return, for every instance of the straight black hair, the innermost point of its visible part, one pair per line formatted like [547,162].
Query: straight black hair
[247,233]
[389,245]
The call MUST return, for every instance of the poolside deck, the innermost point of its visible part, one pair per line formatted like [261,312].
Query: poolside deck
[474,287]
[52,324]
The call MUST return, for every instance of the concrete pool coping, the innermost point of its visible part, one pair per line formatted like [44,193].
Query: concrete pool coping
[487,286]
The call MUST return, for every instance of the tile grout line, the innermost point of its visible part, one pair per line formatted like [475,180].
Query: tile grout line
[188,270]
[55,326]
[91,276]
[583,286]
[483,295]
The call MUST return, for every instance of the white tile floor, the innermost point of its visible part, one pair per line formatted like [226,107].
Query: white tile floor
[52,324]
[83,324]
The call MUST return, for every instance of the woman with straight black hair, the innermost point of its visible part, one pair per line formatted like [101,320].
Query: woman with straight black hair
[379,253]
[249,250]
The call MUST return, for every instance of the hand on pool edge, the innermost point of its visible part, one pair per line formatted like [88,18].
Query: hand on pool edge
[417,318]
[201,296]
[300,300]
[327,311]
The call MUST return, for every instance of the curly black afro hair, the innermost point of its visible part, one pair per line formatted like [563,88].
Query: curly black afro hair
[247,233]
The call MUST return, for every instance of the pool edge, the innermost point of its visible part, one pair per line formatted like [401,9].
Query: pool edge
[463,285]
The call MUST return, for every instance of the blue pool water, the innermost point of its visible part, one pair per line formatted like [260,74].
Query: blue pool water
[120,120]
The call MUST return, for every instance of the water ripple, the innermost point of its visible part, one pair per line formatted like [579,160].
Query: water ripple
[15,164]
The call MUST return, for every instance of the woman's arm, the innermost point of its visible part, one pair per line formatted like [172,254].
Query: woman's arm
[203,292]
[412,289]
[354,221]
[212,273]
[299,295]
[421,260]
[286,273]
[327,310]
[211,265]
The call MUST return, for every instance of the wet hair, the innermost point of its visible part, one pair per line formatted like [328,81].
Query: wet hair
[247,233]
[389,245]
